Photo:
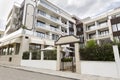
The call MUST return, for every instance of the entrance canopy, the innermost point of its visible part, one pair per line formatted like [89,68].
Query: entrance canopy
[67,40]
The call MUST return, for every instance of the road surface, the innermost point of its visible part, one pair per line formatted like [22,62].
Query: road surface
[14,74]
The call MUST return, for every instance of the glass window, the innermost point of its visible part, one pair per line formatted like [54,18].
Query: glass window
[35,49]
[42,12]
[54,37]
[40,23]
[114,27]
[17,48]
[40,34]
[0,51]
[10,49]
[118,26]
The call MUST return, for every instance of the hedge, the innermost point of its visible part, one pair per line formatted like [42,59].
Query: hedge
[98,52]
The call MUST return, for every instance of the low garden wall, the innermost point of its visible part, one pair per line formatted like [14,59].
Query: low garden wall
[43,64]
[99,68]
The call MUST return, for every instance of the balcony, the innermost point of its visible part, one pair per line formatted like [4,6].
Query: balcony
[102,36]
[91,29]
[48,18]
[102,26]
[48,6]
[48,28]
[34,34]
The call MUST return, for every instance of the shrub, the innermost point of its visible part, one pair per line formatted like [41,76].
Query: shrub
[91,43]
[97,53]
[66,59]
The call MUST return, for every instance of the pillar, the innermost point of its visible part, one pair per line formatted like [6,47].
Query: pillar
[75,30]
[42,52]
[117,58]
[110,28]
[30,56]
[68,28]
[24,45]
[77,58]
[58,57]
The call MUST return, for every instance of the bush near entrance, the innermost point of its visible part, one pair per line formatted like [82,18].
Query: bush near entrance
[94,52]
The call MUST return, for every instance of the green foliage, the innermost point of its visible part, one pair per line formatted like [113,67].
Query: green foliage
[50,55]
[26,55]
[97,53]
[91,43]
[66,59]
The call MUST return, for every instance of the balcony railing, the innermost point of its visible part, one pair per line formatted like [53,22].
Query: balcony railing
[36,35]
[49,6]
[103,25]
[49,17]
[46,27]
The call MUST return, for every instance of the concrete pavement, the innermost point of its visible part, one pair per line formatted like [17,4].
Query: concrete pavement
[15,74]
[73,76]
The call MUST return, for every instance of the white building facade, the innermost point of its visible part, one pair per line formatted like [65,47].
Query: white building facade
[103,28]
[32,26]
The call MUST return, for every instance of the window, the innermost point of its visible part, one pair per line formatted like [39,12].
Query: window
[17,48]
[54,18]
[0,51]
[4,50]
[91,36]
[40,34]
[106,32]
[71,24]
[91,27]
[54,37]
[118,26]
[114,27]
[41,12]
[10,49]
[40,23]
[102,24]
[35,50]
[117,38]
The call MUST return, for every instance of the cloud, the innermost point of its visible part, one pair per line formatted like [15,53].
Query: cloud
[85,8]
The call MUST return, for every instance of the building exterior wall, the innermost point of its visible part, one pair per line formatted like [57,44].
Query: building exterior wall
[38,23]
[100,28]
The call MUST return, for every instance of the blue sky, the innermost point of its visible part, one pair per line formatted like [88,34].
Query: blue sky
[81,8]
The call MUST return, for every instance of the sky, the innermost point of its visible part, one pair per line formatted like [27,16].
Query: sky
[80,8]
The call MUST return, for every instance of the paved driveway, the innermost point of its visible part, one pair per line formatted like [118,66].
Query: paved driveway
[14,74]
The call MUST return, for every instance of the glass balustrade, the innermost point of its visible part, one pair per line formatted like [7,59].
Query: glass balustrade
[48,16]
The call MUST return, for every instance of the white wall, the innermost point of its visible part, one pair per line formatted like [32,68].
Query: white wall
[105,69]
[45,64]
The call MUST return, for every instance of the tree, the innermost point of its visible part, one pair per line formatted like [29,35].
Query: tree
[91,43]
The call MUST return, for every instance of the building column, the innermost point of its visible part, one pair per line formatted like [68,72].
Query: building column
[77,58]
[117,59]
[58,57]
[84,33]
[42,52]
[60,19]
[50,35]
[68,28]
[75,30]
[24,45]
[30,56]
[110,28]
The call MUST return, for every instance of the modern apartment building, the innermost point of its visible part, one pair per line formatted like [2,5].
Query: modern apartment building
[32,26]
[103,28]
